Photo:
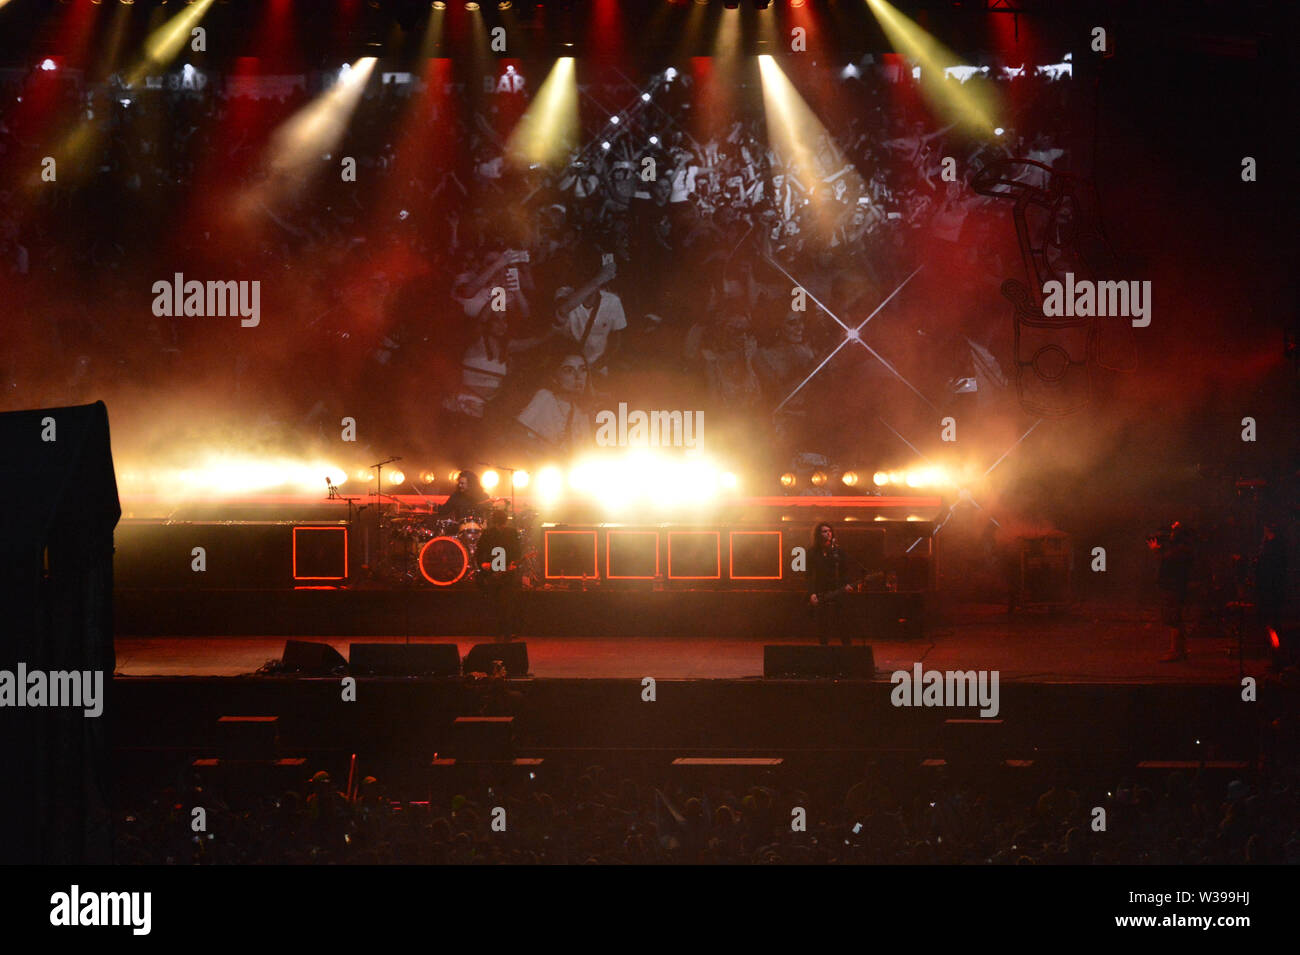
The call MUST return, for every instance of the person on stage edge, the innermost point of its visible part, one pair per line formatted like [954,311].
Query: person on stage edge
[827,585]
[1176,556]
[496,558]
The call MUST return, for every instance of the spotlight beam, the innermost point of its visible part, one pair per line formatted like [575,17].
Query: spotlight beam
[812,374]
[1013,447]
[292,157]
[905,441]
[815,300]
[544,132]
[953,505]
[851,334]
[968,106]
[970,497]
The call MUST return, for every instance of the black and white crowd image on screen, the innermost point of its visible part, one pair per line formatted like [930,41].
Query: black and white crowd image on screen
[684,255]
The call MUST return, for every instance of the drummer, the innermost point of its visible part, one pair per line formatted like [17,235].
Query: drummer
[466,500]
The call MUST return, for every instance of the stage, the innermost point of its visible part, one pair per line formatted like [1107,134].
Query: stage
[1093,645]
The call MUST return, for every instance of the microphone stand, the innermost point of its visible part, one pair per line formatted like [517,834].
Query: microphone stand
[379,502]
[334,495]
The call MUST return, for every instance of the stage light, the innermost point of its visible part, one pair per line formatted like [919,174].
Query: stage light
[971,107]
[850,478]
[654,140]
[880,478]
[364,474]
[614,120]
[670,74]
[581,478]
[520,480]
[504,5]
[471,6]
[800,139]
[897,477]
[428,477]
[547,130]
[490,479]
[605,144]
[218,474]
[168,40]
[439,5]
[818,477]
[315,130]
[645,97]
[48,65]
[729,480]
[787,479]
[396,477]
[550,483]
[796,4]
[998,131]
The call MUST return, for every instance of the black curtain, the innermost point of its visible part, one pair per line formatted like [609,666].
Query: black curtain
[58,509]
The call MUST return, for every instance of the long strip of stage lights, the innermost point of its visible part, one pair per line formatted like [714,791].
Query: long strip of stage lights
[968,495]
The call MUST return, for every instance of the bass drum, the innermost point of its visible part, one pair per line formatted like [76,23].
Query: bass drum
[444,561]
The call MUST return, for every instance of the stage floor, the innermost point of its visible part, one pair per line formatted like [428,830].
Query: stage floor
[1092,645]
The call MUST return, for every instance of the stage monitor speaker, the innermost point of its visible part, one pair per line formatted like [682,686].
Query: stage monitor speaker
[404,659]
[857,663]
[312,659]
[801,662]
[514,655]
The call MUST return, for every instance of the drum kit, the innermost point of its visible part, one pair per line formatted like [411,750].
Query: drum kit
[418,544]
[440,550]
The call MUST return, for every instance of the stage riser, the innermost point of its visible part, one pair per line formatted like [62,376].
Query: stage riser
[765,615]
[282,554]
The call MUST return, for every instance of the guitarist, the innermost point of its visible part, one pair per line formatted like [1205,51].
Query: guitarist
[827,584]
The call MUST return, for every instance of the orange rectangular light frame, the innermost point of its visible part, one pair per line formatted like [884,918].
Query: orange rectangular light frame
[595,569]
[316,527]
[609,545]
[717,541]
[731,554]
